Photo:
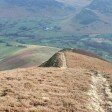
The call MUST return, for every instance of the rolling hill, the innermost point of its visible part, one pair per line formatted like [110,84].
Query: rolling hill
[62,11]
[31,55]
[103,6]
[80,83]
[95,16]
[86,17]
[22,8]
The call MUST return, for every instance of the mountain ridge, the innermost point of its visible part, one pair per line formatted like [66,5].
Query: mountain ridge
[71,88]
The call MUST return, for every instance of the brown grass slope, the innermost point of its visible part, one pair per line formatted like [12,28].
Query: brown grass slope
[58,89]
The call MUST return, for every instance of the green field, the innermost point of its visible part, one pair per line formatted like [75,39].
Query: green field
[31,55]
[8,49]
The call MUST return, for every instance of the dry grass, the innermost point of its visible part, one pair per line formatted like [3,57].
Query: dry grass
[44,90]
[87,62]
[51,89]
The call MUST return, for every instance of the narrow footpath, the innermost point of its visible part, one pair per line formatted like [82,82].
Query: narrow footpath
[100,94]
[63,59]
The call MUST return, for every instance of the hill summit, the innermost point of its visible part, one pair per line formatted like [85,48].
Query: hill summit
[71,82]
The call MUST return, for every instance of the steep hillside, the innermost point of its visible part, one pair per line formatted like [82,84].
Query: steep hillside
[81,84]
[86,17]
[31,55]
[79,4]
[32,8]
[54,61]
[94,16]
[104,6]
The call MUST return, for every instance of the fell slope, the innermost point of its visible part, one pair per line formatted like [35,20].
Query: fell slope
[32,55]
[80,84]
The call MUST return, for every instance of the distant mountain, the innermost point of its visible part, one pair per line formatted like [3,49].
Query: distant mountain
[77,3]
[34,4]
[95,17]
[86,17]
[103,6]
[83,15]
[33,7]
